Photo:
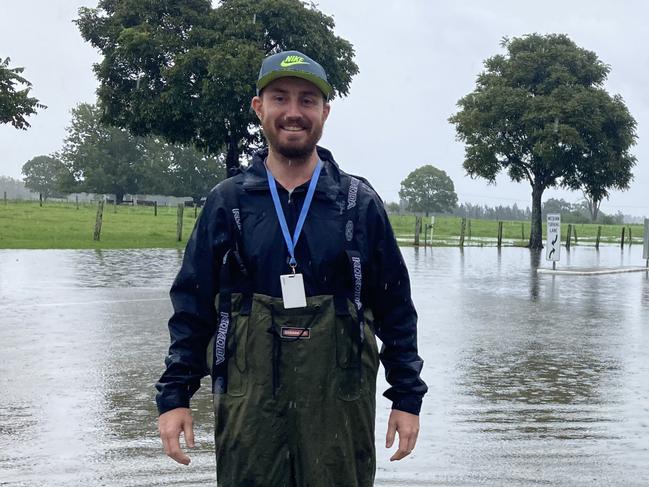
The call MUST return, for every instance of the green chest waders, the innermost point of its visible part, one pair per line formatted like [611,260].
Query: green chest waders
[295,389]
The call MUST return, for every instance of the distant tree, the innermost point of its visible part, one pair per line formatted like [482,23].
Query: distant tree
[183,170]
[15,103]
[553,205]
[102,159]
[45,175]
[428,189]
[392,207]
[541,114]
[186,71]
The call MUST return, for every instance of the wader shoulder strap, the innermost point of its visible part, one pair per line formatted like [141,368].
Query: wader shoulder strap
[351,186]
[226,288]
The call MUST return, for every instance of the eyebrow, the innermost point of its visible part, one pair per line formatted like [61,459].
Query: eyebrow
[303,92]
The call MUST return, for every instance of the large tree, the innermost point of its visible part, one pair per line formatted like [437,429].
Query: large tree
[428,189]
[45,175]
[103,159]
[540,112]
[15,103]
[187,71]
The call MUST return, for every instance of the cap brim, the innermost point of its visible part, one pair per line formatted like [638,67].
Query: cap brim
[285,73]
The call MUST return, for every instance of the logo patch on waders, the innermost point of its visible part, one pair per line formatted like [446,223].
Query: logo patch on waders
[292,332]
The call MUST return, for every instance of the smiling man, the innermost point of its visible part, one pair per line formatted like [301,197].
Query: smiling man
[291,272]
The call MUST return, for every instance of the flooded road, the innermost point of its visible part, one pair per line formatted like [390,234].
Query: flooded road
[534,379]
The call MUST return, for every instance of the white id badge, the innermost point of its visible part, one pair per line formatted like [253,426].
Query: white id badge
[293,291]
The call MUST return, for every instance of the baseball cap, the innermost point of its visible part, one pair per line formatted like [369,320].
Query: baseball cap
[293,63]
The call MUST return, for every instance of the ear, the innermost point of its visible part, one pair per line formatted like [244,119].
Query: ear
[256,104]
[325,111]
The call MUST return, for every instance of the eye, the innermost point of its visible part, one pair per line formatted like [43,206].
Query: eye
[308,101]
[278,98]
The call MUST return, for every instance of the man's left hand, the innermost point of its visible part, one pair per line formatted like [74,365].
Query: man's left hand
[407,425]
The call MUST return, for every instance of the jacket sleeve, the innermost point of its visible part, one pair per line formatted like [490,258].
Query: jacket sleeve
[388,295]
[194,318]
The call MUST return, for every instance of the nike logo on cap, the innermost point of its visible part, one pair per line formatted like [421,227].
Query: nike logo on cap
[292,61]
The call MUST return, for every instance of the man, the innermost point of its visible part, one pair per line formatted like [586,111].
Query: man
[290,271]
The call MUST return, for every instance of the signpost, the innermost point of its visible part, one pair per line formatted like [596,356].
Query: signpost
[645,251]
[553,243]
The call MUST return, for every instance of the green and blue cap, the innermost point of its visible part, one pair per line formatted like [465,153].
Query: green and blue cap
[293,63]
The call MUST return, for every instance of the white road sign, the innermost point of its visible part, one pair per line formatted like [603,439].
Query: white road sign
[553,244]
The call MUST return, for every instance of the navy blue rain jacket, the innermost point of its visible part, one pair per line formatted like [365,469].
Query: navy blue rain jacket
[321,259]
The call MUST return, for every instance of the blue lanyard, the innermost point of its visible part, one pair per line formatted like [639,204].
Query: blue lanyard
[291,243]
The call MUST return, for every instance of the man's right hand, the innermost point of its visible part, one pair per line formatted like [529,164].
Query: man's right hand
[170,425]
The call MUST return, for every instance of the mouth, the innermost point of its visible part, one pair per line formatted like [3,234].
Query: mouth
[293,127]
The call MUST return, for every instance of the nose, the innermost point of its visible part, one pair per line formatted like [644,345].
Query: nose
[293,110]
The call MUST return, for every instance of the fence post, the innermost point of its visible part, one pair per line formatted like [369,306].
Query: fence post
[76,198]
[468,223]
[500,234]
[622,239]
[599,235]
[5,198]
[523,231]
[98,220]
[179,223]
[569,237]
[155,208]
[40,200]
[574,232]
[462,230]
[417,230]
[630,237]
[645,243]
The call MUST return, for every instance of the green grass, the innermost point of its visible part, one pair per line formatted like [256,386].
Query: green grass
[447,231]
[25,225]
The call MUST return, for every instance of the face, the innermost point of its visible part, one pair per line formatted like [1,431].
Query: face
[292,113]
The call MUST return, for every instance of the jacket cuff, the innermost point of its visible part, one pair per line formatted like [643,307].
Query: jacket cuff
[408,404]
[171,401]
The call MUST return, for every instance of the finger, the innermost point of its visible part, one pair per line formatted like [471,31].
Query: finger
[173,450]
[392,431]
[412,442]
[188,430]
[404,446]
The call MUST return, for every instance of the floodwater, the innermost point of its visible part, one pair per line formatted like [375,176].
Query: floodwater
[535,380]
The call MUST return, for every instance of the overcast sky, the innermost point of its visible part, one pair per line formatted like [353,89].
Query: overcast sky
[416,59]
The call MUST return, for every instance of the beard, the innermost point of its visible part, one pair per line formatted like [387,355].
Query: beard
[295,151]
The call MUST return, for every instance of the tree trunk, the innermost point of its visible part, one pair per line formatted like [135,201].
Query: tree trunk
[232,157]
[197,200]
[119,198]
[536,233]
[594,211]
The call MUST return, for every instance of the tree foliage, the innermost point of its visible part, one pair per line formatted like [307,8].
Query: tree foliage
[109,160]
[15,103]
[186,71]
[541,114]
[45,175]
[183,170]
[428,189]
[103,159]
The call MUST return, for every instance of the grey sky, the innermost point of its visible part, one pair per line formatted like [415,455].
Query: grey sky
[416,59]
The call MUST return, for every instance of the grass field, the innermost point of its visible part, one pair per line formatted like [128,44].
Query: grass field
[25,225]
[485,232]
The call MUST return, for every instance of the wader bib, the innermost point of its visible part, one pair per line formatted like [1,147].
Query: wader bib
[294,389]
